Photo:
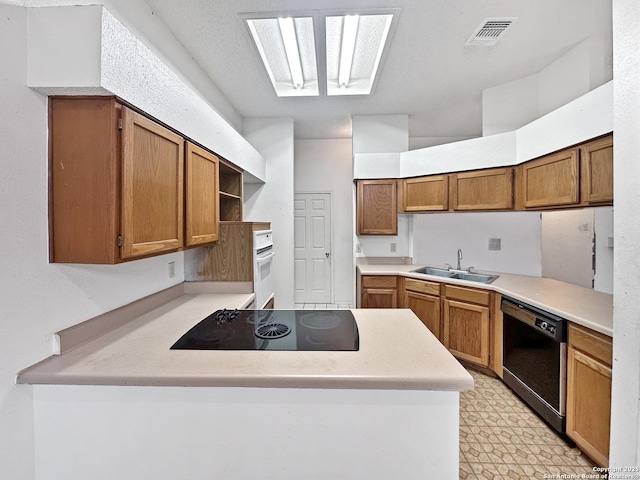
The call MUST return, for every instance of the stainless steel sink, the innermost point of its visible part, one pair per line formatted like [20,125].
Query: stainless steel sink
[440,272]
[475,277]
[443,272]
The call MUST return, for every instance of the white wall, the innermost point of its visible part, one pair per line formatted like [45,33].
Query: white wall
[580,120]
[603,224]
[509,106]
[39,298]
[382,245]
[577,72]
[483,152]
[625,445]
[567,246]
[437,238]
[424,142]
[273,201]
[380,133]
[174,433]
[325,166]
[63,43]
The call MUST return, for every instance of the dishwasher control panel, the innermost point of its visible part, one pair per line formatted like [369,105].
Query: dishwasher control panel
[546,326]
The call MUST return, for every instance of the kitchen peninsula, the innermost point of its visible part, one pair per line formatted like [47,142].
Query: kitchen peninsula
[123,405]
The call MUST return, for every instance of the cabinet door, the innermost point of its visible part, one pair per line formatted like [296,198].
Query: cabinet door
[426,308]
[377,207]
[589,391]
[466,331]
[201,196]
[379,291]
[426,194]
[597,170]
[379,298]
[84,180]
[152,187]
[589,405]
[551,180]
[482,190]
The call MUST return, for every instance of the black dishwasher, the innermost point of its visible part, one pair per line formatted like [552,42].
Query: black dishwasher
[535,359]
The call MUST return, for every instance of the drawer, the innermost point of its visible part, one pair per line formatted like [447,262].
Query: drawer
[430,288]
[480,297]
[379,281]
[591,342]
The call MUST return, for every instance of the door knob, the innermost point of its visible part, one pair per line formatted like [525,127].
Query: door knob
[327,254]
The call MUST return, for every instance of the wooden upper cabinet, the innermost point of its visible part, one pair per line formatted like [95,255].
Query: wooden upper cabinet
[152,187]
[230,193]
[376,207]
[597,170]
[426,194]
[201,196]
[115,185]
[490,189]
[551,181]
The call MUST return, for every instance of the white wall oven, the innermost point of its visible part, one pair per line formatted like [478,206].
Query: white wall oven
[263,254]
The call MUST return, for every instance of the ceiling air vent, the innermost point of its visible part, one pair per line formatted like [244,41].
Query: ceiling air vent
[490,31]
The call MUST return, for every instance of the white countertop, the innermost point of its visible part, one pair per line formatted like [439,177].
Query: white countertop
[580,305]
[396,352]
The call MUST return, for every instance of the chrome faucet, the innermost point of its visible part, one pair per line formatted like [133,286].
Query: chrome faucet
[459,258]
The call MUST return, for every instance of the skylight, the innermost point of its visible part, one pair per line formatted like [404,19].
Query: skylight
[355,44]
[353,48]
[287,48]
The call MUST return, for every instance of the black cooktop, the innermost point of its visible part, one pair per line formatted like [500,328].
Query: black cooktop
[304,330]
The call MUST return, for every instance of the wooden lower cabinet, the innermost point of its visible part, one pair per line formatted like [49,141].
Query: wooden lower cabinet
[423,298]
[589,392]
[379,292]
[466,324]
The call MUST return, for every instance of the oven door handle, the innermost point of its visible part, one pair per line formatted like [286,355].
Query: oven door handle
[260,260]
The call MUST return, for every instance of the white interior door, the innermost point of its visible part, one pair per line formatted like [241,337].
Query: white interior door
[312,239]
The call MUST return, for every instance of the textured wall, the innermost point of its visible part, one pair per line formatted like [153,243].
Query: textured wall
[625,429]
[39,298]
[65,63]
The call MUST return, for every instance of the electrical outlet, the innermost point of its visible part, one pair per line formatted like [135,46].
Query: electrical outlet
[494,244]
[172,269]
[394,247]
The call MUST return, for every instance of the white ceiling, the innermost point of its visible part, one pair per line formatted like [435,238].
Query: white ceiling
[427,72]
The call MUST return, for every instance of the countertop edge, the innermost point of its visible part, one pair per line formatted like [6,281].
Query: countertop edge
[336,383]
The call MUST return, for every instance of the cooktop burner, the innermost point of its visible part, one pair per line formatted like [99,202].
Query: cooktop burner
[331,330]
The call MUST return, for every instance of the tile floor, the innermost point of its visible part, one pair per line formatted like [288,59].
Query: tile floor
[323,306]
[500,438]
